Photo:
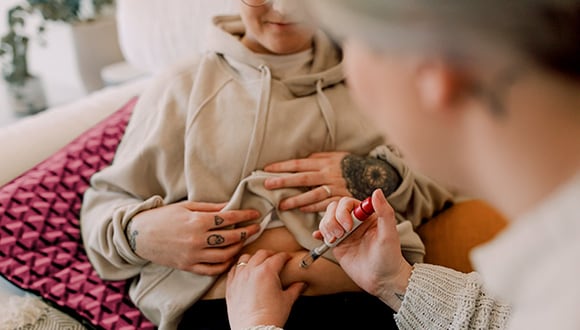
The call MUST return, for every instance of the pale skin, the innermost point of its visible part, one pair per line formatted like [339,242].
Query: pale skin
[266,265]
[319,169]
[376,239]
[331,175]
[427,105]
[200,240]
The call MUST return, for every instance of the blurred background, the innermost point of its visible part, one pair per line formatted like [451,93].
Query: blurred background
[68,45]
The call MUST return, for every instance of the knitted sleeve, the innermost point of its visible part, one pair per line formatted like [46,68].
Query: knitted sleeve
[441,298]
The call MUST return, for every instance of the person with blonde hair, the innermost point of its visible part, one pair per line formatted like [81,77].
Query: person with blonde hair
[485,97]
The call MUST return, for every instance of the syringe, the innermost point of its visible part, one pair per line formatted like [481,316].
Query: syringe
[359,214]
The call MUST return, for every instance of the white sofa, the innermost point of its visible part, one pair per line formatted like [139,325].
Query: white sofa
[153,34]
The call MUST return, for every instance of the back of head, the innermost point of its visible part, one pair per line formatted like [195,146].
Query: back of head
[544,32]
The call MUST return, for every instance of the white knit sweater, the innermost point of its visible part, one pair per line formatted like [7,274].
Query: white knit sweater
[441,298]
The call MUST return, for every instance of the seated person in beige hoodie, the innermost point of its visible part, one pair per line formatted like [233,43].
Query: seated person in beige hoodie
[185,194]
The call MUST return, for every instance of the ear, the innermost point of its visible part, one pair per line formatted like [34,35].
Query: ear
[439,84]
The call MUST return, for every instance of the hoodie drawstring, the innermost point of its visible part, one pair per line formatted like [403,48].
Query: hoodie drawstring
[327,113]
[259,129]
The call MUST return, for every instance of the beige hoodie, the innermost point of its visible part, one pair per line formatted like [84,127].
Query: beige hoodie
[202,132]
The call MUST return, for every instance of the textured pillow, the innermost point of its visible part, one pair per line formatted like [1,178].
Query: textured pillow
[40,244]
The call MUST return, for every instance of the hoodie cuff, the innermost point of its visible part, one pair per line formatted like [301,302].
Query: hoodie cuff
[121,219]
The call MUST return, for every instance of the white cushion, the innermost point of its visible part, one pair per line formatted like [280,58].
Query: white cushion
[156,33]
[34,138]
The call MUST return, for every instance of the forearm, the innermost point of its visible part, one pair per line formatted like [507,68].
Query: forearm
[441,298]
[104,220]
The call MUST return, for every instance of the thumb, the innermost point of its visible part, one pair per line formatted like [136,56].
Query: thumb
[295,289]
[383,210]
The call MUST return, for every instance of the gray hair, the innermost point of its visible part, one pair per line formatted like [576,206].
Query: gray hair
[546,32]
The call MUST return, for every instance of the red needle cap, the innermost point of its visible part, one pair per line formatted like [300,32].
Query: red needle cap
[364,210]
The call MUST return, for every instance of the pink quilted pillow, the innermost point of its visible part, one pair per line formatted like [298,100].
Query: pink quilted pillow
[40,245]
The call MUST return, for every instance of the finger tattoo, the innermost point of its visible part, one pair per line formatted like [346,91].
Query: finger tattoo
[215,239]
[243,235]
[218,220]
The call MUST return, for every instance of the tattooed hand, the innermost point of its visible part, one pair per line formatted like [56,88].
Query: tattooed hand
[190,236]
[321,172]
[332,175]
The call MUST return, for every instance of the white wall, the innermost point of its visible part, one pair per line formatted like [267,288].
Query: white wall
[70,61]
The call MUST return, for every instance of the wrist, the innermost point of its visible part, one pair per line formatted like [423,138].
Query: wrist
[395,288]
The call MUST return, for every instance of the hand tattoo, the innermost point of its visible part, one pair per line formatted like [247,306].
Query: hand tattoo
[218,220]
[243,236]
[365,174]
[215,239]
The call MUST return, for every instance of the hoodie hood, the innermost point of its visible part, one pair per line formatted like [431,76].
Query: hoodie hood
[326,69]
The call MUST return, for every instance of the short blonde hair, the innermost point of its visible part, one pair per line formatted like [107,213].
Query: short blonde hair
[547,32]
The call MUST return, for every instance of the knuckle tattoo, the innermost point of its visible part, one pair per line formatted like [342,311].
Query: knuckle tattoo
[215,239]
[218,220]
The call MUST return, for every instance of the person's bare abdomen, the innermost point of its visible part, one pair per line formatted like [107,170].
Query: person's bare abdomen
[322,277]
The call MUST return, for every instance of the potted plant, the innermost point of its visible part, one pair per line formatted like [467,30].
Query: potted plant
[28,21]
[80,39]
[24,90]
[69,10]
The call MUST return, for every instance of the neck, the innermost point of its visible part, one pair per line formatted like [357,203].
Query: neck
[534,149]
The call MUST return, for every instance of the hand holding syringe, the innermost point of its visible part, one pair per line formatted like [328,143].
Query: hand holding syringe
[359,214]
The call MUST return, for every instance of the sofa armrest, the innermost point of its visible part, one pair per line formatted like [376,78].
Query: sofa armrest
[450,236]
[30,140]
